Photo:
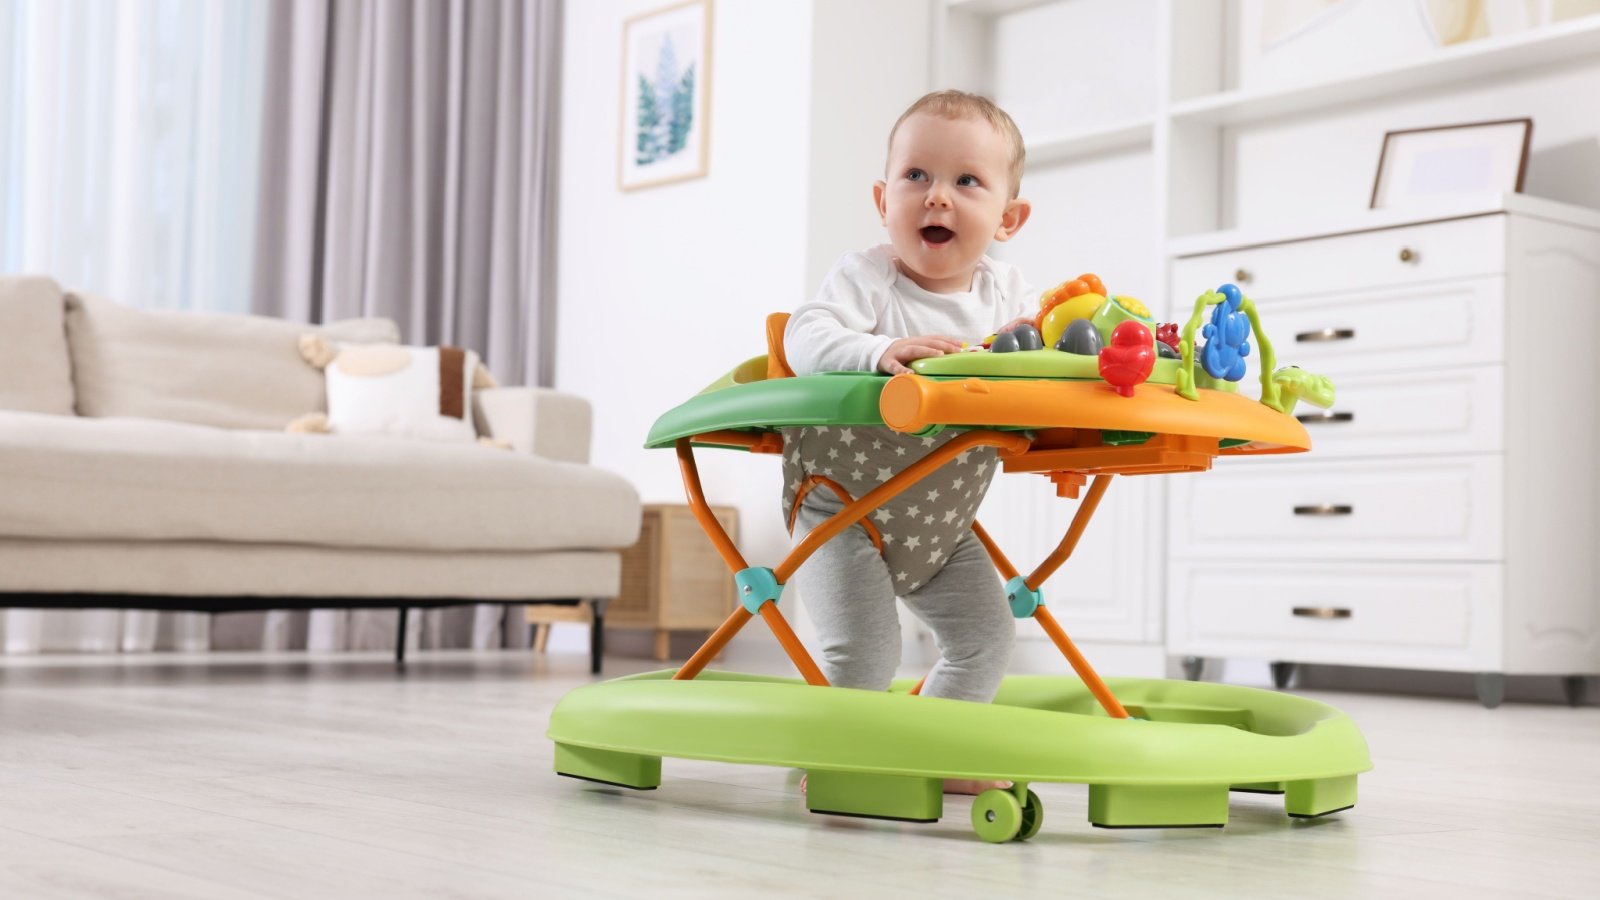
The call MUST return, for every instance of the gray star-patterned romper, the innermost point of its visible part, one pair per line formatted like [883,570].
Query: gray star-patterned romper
[930,558]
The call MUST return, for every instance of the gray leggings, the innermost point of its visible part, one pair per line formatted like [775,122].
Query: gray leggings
[847,590]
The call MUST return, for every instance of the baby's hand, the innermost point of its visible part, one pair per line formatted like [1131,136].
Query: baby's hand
[904,350]
[1025,320]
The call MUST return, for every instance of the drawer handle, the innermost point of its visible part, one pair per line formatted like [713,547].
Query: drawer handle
[1322,612]
[1409,255]
[1327,416]
[1324,509]
[1325,334]
[1242,276]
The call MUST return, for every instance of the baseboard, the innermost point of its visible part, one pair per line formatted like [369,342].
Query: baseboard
[1519,688]
[1395,682]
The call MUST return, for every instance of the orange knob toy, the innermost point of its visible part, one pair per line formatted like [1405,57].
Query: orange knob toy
[1087,283]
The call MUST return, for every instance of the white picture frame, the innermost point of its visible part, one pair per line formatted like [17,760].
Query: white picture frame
[666,106]
[1420,165]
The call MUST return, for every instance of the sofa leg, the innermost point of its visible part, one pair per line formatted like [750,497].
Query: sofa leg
[400,638]
[597,634]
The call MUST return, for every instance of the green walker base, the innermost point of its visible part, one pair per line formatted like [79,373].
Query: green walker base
[885,755]
[629,770]
[899,797]
[1158,806]
[1320,796]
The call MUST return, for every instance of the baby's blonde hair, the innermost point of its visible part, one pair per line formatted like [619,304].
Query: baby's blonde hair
[962,105]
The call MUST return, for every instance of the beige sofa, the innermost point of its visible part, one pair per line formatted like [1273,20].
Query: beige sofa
[143,464]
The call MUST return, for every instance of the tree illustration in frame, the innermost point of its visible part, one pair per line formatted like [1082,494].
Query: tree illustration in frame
[666,61]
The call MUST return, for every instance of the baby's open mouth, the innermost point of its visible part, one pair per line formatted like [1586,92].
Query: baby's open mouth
[937,234]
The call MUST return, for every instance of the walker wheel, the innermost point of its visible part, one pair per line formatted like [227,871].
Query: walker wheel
[1032,817]
[996,816]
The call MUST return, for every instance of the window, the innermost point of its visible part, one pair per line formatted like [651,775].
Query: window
[129,135]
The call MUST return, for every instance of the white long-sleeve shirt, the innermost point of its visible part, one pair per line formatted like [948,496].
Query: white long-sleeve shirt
[865,303]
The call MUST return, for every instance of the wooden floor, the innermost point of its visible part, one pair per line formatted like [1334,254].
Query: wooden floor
[283,776]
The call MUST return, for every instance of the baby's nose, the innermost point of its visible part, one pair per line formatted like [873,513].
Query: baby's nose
[938,198]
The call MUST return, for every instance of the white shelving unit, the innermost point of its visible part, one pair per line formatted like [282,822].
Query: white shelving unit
[1134,134]
[1196,113]
[1553,45]
[1188,153]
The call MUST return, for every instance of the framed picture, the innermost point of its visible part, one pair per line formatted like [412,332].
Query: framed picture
[1422,164]
[666,75]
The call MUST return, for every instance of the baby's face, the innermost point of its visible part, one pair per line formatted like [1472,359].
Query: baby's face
[946,197]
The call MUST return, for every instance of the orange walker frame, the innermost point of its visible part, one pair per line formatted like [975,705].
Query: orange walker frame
[1010,444]
[1067,456]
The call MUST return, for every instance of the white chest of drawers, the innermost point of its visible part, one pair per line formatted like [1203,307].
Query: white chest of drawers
[1448,516]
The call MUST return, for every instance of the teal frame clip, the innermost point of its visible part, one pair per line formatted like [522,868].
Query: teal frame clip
[1023,599]
[757,585]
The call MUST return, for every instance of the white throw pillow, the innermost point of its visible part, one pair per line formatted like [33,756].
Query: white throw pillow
[388,389]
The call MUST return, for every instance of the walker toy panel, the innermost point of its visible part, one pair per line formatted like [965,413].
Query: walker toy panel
[1032,364]
[912,403]
[885,755]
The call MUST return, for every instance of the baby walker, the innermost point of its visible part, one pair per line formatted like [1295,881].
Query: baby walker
[1094,388]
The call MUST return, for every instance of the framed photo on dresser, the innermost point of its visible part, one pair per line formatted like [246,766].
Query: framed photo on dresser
[1423,164]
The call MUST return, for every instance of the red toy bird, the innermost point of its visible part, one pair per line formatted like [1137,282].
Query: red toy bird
[1128,359]
[1168,334]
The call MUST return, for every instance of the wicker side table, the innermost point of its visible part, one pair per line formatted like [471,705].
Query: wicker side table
[673,579]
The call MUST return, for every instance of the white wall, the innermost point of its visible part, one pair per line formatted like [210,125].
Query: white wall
[870,62]
[1062,68]
[662,290]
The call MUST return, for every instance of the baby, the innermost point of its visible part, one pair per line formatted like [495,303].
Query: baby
[955,166]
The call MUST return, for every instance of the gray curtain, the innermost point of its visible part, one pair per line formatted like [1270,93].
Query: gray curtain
[409,159]
[408,167]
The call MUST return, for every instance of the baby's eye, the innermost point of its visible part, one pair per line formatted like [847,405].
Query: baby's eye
[916,175]
[967,181]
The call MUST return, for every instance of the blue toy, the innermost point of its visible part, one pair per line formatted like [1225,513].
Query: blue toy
[1227,337]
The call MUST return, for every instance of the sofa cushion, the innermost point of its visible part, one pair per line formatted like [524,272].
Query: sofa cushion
[35,371]
[208,569]
[231,371]
[144,480]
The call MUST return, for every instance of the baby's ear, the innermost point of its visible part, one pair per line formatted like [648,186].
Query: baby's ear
[1012,220]
[879,188]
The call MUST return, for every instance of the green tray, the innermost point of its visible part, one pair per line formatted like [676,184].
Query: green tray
[744,400]
[837,398]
